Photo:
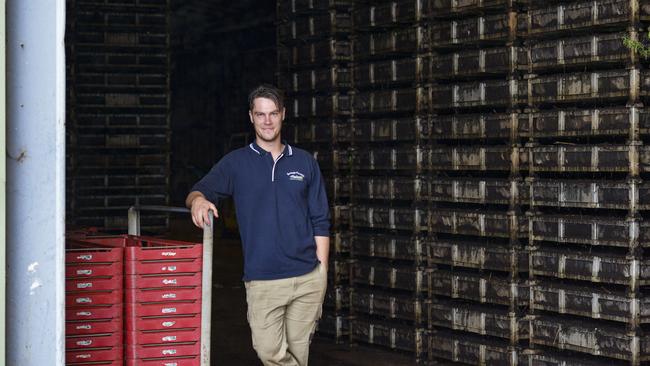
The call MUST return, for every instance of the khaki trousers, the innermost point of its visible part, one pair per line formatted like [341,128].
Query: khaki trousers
[283,315]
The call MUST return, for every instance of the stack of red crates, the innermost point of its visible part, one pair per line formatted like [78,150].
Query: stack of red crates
[94,297]
[163,302]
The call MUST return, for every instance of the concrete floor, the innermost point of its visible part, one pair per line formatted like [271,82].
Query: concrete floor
[231,342]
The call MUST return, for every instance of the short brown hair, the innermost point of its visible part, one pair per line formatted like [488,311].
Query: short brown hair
[269,92]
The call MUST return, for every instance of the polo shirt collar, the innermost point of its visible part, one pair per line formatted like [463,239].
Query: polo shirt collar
[288,150]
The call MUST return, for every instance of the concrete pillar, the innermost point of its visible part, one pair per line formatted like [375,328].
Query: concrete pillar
[35,182]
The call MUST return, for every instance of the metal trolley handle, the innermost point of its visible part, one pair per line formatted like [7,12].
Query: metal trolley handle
[206,281]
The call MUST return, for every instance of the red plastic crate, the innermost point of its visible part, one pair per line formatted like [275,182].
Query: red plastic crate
[176,280]
[93,327]
[95,341]
[163,250]
[163,267]
[91,299]
[161,337]
[94,312]
[85,270]
[97,355]
[110,241]
[191,361]
[164,309]
[163,323]
[94,284]
[134,295]
[162,350]
[119,362]
[94,255]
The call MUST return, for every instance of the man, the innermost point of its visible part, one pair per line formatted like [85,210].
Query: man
[283,219]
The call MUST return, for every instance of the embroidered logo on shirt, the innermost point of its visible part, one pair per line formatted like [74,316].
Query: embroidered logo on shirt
[296,176]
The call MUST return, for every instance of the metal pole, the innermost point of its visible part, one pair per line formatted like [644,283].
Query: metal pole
[206,304]
[35,155]
[3,186]
[134,221]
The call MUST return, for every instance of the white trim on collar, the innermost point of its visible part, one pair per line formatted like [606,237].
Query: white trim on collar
[290,150]
[252,148]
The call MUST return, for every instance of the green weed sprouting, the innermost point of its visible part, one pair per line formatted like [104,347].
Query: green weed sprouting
[642,47]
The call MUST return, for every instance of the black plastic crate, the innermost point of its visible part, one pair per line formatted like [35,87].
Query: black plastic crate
[389,14]
[140,121]
[488,29]
[475,254]
[598,122]
[342,242]
[496,61]
[407,159]
[477,319]
[447,8]
[596,302]
[605,194]
[605,158]
[339,270]
[479,158]
[589,230]
[389,276]
[126,39]
[501,93]
[598,267]
[406,41]
[337,298]
[317,105]
[468,349]
[337,188]
[388,188]
[335,326]
[392,247]
[481,126]
[322,80]
[573,17]
[382,304]
[483,223]
[478,191]
[485,288]
[391,335]
[295,7]
[318,53]
[385,73]
[585,87]
[390,101]
[595,338]
[392,129]
[578,51]
[554,357]
[323,24]
[387,218]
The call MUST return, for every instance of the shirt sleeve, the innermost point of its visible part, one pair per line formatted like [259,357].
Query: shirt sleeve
[217,184]
[318,206]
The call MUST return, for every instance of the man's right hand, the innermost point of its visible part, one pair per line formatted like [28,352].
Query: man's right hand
[200,211]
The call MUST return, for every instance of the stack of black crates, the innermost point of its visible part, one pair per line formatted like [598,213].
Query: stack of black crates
[314,61]
[586,124]
[477,245]
[389,165]
[495,156]
[118,110]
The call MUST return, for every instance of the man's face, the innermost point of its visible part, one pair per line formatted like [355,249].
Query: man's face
[267,119]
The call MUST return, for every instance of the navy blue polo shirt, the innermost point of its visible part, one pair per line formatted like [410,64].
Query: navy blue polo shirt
[280,205]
